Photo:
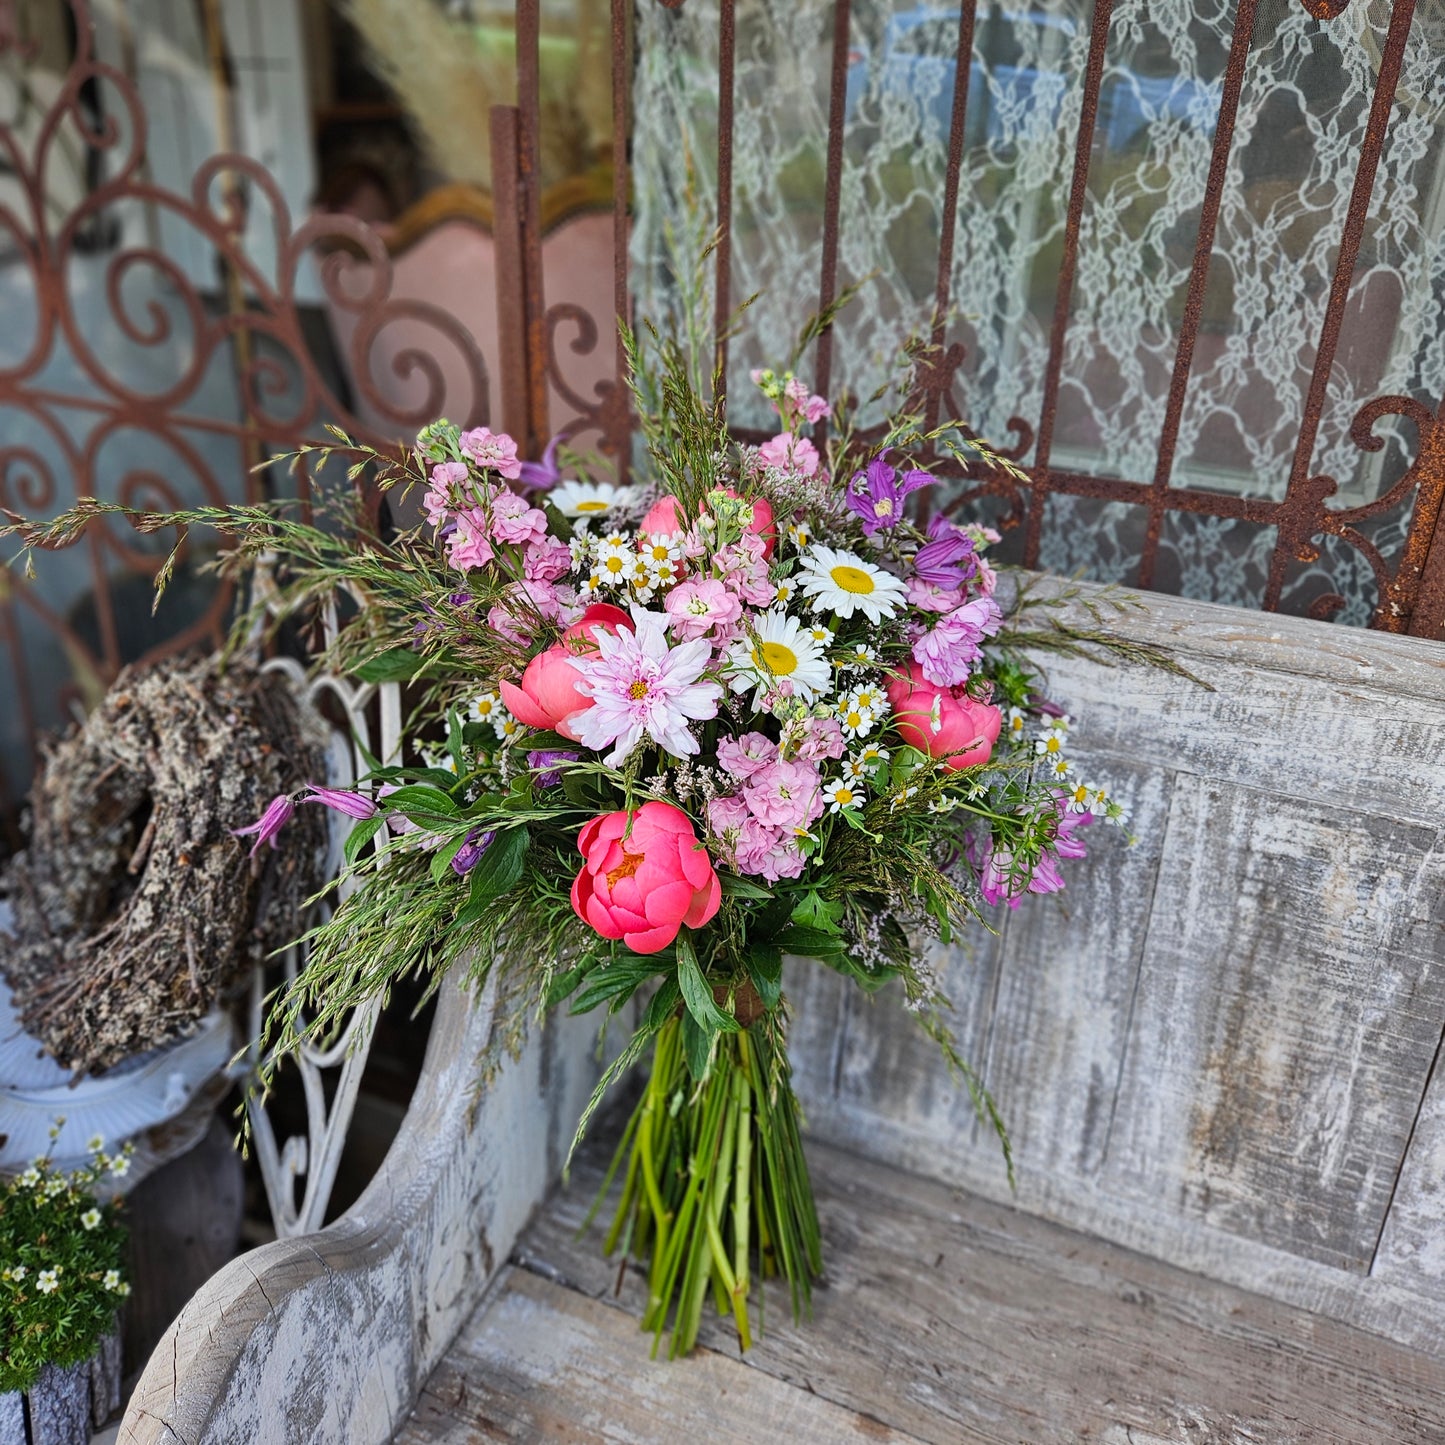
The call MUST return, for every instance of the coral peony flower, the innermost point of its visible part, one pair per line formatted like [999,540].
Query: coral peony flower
[943,722]
[600,614]
[665,517]
[548,695]
[644,876]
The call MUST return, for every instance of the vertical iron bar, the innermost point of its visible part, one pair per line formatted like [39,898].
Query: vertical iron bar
[1391,60]
[1078,188]
[1198,277]
[510,270]
[962,70]
[529,114]
[1417,600]
[832,197]
[620,300]
[726,53]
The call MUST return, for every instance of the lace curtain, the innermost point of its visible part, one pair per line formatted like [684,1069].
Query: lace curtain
[1301,123]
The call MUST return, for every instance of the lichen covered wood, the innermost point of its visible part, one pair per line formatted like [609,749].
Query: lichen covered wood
[134,906]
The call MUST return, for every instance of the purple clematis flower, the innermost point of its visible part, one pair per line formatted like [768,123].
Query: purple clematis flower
[269,824]
[878,494]
[469,854]
[948,560]
[354,805]
[545,473]
[543,762]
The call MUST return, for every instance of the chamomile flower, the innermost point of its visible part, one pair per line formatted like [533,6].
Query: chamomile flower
[859,655]
[844,583]
[871,753]
[486,708]
[1081,798]
[800,536]
[90,1219]
[901,797]
[823,636]
[1015,722]
[784,594]
[48,1280]
[842,793]
[874,699]
[1060,769]
[616,568]
[658,550]
[854,718]
[590,586]
[1050,742]
[506,726]
[587,499]
[780,650]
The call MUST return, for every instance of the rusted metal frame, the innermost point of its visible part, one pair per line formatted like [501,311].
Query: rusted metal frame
[939,375]
[723,258]
[1198,277]
[1294,518]
[1063,299]
[529,195]
[511,296]
[832,198]
[620,430]
[1415,600]
[1427,617]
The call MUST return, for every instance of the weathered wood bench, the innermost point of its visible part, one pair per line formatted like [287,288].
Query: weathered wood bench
[1218,1055]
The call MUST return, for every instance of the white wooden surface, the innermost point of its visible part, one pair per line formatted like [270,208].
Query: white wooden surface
[1216,1049]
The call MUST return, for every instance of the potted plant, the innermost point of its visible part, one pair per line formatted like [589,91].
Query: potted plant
[62,1281]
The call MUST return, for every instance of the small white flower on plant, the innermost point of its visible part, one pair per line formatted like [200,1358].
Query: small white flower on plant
[842,794]
[844,583]
[861,654]
[823,636]
[1016,722]
[17,1273]
[784,594]
[587,499]
[638,684]
[120,1166]
[96,1144]
[90,1219]
[1060,768]
[1080,798]
[115,1284]
[1051,742]
[487,708]
[53,1187]
[506,726]
[780,651]
[615,568]
[855,719]
[48,1280]
[659,550]
[30,1179]
[800,535]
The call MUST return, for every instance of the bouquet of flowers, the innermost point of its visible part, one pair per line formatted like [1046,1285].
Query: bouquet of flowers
[753,710]
[62,1261]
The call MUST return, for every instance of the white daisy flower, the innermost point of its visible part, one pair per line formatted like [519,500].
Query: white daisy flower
[900,798]
[658,549]
[861,654]
[784,594]
[1060,768]
[1081,798]
[874,699]
[90,1219]
[1051,742]
[823,636]
[780,651]
[800,535]
[48,1280]
[591,586]
[616,568]
[486,708]
[1016,722]
[614,542]
[844,583]
[841,794]
[587,499]
[855,719]
[506,726]
[871,753]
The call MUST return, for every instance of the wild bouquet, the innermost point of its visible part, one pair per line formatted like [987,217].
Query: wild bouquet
[751,710]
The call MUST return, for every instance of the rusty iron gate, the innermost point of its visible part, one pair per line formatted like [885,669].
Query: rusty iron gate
[53,436]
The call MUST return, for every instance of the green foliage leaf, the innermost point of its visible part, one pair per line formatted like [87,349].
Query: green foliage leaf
[617,980]
[360,835]
[815,911]
[809,942]
[426,806]
[735,887]
[697,1047]
[496,873]
[442,859]
[398,665]
[765,968]
[697,993]
[663,1004]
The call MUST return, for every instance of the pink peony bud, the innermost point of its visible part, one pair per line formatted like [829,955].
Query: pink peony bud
[943,722]
[644,875]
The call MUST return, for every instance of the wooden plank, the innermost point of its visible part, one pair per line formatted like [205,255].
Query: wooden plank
[1284,1027]
[543,1362]
[952,1319]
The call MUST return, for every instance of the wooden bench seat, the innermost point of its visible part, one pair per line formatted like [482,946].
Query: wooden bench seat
[943,1318]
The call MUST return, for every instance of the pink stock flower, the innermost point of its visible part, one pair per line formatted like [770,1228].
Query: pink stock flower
[493,450]
[696,608]
[546,560]
[822,738]
[469,545]
[790,453]
[987,578]
[946,653]
[943,722]
[525,605]
[799,402]
[441,495]
[269,824]
[516,521]
[745,570]
[786,794]
[930,597]
[746,756]
[772,853]
[644,876]
[638,684]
